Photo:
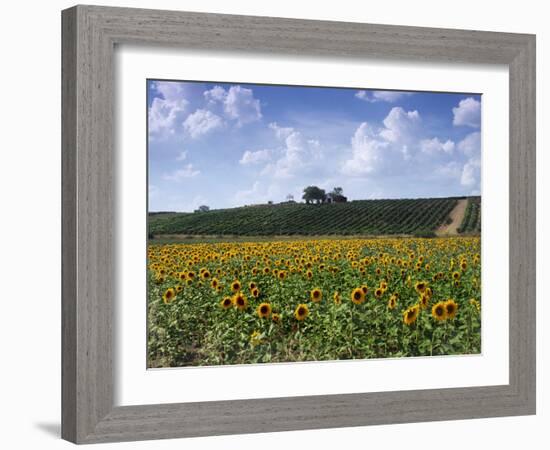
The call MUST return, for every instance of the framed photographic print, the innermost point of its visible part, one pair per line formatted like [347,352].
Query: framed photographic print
[279,224]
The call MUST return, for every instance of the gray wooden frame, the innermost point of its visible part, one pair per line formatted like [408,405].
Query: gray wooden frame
[89,34]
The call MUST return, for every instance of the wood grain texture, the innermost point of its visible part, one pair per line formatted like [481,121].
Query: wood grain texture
[89,36]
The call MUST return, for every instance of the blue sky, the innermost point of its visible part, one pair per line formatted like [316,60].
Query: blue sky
[229,144]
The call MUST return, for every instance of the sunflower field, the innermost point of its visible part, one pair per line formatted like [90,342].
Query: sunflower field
[312,300]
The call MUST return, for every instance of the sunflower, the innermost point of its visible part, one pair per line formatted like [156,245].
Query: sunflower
[316,295]
[252,285]
[424,301]
[420,286]
[169,295]
[379,292]
[255,338]
[236,286]
[189,282]
[365,289]
[463,264]
[276,317]
[255,292]
[337,298]
[226,302]
[439,312]
[301,312]
[411,314]
[451,308]
[179,288]
[392,302]
[263,310]
[205,275]
[190,275]
[309,274]
[240,301]
[266,270]
[456,275]
[214,283]
[357,296]
[281,275]
[475,304]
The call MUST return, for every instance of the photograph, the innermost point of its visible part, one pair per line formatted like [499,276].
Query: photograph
[310,223]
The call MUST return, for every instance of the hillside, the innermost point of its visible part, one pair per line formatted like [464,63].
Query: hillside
[369,217]
[472,217]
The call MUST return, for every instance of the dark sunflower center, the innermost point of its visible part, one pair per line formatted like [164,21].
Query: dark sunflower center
[439,311]
[301,311]
[264,309]
[357,295]
[410,314]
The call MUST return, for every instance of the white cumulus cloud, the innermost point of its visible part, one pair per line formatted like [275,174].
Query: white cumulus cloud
[471,144]
[281,132]
[368,150]
[400,124]
[471,173]
[216,94]
[386,148]
[297,155]
[201,122]
[167,111]
[187,171]
[434,146]
[381,96]
[241,105]
[238,103]
[255,157]
[182,156]
[467,113]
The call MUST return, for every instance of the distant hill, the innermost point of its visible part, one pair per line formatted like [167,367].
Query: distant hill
[364,217]
[471,223]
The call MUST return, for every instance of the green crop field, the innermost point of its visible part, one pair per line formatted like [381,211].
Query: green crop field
[361,217]
[472,217]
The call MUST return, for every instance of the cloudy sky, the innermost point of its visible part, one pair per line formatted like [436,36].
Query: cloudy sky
[226,145]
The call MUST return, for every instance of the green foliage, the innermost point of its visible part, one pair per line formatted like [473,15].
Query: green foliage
[424,234]
[194,328]
[472,217]
[314,193]
[361,217]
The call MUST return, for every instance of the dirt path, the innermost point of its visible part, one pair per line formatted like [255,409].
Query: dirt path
[457,214]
